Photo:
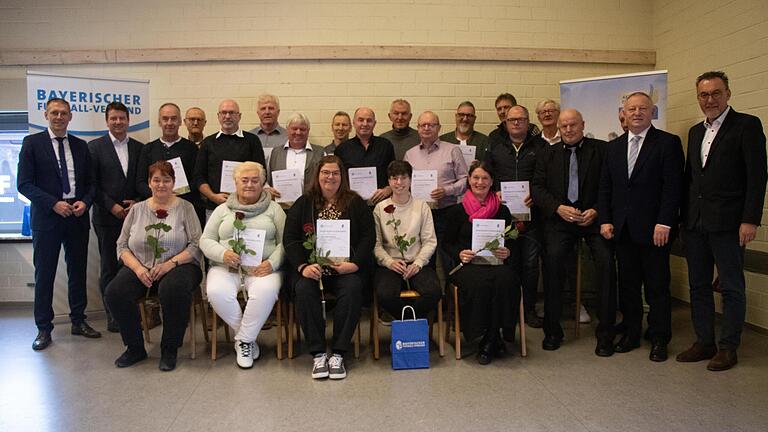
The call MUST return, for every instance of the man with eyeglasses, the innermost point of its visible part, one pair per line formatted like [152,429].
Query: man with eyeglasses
[512,157]
[194,120]
[547,111]
[230,144]
[503,103]
[465,133]
[402,135]
[725,181]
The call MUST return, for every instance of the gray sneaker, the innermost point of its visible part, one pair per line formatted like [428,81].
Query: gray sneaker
[320,366]
[336,367]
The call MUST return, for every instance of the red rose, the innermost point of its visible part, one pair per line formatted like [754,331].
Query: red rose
[520,226]
[161,213]
[309,228]
[389,209]
[239,215]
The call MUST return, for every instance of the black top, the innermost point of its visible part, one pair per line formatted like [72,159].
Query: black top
[112,185]
[214,151]
[155,151]
[379,154]
[458,233]
[509,164]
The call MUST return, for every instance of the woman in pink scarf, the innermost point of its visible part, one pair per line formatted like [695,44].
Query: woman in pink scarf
[486,294]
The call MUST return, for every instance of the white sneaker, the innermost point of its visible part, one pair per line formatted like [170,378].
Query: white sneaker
[584,317]
[320,366]
[255,351]
[244,358]
[336,367]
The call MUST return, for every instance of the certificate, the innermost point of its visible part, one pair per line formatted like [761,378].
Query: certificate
[363,181]
[288,183]
[423,182]
[227,176]
[181,184]
[483,231]
[333,236]
[254,240]
[513,194]
[468,151]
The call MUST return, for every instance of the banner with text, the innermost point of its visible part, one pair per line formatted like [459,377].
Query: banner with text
[600,99]
[88,97]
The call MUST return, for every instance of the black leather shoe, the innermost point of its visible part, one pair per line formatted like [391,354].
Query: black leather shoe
[658,352]
[167,360]
[551,343]
[604,347]
[533,321]
[83,329]
[112,326]
[130,357]
[42,340]
[487,348]
[626,344]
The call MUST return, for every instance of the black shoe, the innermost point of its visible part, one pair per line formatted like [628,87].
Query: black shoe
[83,329]
[130,357]
[658,352]
[500,351]
[551,343]
[112,325]
[532,320]
[167,360]
[508,334]
[42,340]
[626,344]
[487,348]
[604,347]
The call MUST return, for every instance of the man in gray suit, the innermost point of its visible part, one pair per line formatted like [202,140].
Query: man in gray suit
[296,153]
[114,158]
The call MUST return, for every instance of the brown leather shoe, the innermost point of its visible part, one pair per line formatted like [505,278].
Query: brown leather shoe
[696,353]
[723,360]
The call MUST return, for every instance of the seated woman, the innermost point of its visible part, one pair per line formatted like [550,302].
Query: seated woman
[175,275]
[254,208]
[329,197]
[413,265]
[486,296]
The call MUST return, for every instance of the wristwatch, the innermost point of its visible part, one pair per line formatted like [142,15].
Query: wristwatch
[175,262]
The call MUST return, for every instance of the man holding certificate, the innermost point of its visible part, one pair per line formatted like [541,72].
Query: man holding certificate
[329,239]
[565,190]
[291,165]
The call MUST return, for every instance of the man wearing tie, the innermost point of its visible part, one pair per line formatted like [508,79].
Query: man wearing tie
[114,157]
[640,189]
[725,178]
[565,189]
[55,174]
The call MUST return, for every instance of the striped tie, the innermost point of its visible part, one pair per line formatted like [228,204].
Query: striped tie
[634,149]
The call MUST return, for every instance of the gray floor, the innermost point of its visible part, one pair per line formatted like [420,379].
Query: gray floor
[74,386]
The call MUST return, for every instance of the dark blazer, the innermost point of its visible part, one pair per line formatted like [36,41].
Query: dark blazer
[278,158]
[549,188]
[652,195]
[730,189]
[38,178]
[112,186]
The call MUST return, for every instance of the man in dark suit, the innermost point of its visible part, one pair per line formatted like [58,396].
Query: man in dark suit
[565,189]
[55,174]
[725,177]
[114,157]
[639,203]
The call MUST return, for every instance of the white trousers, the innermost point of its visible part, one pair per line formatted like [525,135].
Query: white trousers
[222,287]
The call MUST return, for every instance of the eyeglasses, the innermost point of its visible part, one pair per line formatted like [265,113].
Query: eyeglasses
[717,94]
[517,120]
[547,111]
[327,173]
[429,125]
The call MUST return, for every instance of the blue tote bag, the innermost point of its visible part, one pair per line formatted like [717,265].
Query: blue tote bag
[410,342]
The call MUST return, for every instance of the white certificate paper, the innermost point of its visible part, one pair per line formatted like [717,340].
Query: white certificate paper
[423,182]
[483,231]
[254,240]
[227,173]
[513,194]
[288,183]
[363,181]
[468,151]
[181,184]
[333,235]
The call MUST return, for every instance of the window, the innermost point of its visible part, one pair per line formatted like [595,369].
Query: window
[13,129]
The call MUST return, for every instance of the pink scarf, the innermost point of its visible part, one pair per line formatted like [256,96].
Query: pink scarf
[475,210]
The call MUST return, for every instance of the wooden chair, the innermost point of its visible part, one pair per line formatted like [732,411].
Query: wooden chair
[277,310]
[407,294]
[293,324]
[457,323]
[197,301]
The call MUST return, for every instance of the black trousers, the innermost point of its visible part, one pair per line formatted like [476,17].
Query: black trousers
[489,298]
[525,261]
[389,284]
[107,236]
[348,290]
[645,266]
[71,233]
[175,289]
[558,245]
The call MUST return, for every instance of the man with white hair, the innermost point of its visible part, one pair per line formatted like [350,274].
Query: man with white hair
[547,111]
[296,153]
[269,131]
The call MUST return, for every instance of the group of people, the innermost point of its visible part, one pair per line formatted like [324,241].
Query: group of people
[159,208]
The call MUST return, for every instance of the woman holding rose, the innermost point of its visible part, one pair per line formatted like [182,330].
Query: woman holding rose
[251,208]
[169,265]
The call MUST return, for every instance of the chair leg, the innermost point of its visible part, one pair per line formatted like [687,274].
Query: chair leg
[214,330]
[279,317]
[521,322]
[192,322]
[578,288]
[375,327]
[204,319]
[144,322]
[456,323]
[440,328]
